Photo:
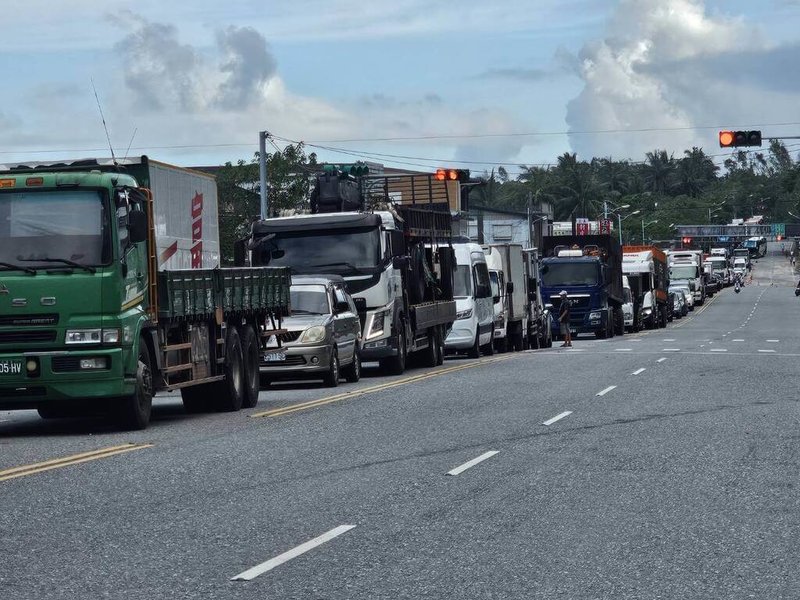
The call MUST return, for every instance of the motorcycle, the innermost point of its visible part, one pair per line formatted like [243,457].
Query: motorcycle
[737,288]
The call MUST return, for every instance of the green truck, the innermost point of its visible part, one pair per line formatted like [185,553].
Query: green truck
[111,291]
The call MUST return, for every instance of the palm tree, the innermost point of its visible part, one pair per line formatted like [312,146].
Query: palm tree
[658,171]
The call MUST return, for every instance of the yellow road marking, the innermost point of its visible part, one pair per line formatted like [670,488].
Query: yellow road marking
[67,461]
[277,412]
[698,312]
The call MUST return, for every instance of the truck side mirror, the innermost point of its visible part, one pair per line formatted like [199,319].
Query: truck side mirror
[239,253]
[510,287]
[398,242]
[137,226]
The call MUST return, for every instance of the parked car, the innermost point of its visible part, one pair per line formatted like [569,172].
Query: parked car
[323,338]
[682,299]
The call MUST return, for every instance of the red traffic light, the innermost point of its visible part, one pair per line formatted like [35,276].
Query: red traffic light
[452,174]
[734,139]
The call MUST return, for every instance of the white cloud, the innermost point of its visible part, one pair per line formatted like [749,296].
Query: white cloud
[652,70]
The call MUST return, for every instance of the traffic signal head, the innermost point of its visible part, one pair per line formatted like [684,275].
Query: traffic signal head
[735,139]
[452,174]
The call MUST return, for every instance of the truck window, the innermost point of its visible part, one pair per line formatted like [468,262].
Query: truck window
[482,276]
[333,251]
[683,272]
[494,277]
[68,224]
[572,273]
[626,295]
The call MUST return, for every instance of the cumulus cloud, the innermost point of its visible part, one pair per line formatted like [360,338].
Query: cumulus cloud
[669,64]
[248,65]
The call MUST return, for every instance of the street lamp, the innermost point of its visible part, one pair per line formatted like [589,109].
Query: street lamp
[791,214]
[646,225]
[714,209]
[621,219]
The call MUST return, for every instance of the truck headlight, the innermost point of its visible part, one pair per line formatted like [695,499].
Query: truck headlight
[377,323]
[595,315]
[313,334]
[647,311]
[464,314]
[91,336]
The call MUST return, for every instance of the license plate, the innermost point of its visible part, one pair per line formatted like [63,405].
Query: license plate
[10,367]
[275,357]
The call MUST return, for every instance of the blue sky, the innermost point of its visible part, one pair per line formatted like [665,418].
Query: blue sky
[207,76]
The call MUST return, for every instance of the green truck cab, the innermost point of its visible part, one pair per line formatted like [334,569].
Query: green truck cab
[93,316]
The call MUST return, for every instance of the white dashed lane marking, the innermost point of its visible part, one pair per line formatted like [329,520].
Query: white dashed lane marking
[558,417]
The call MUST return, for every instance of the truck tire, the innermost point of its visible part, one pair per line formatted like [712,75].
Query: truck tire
[331,378]
[430,356]
[352,372]
[396,365]
[231,390]
[252,375]
[439,346]
[416,276]
[534,341]
[134,410]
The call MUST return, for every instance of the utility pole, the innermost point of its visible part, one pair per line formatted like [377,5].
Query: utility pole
[262,171]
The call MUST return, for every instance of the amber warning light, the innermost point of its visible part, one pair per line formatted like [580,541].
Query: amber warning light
[725,139]
[452,174]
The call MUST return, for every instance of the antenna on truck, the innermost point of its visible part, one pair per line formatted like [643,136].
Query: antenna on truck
[103,119]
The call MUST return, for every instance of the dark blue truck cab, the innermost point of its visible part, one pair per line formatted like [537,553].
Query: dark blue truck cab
[589,269]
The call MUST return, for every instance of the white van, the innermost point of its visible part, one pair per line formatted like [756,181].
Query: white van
[473,330]
[494,261]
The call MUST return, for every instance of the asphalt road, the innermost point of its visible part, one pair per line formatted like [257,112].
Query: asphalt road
[667,469]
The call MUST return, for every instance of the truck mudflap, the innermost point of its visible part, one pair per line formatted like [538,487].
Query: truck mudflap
[430,314]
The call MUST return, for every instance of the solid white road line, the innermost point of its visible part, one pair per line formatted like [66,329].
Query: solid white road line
[737,340]
[623,349]
[293,553]
[575,349]
[668,339]
[637,371]
[670,349]
[605,391]
[473,462]
[766,350]
[773,341]
[558,417]
[719,349]
[662,359]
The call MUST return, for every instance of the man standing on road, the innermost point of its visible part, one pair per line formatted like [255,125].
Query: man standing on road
[563,320]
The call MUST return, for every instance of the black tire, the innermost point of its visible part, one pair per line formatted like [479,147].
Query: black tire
[134,410]
[396,365]
[549,342]
[430,355]
[416,274]
[57,412]
[488,349]
[252,375]
[475,351]
[439,346]
[535,342]
[501,345]
[331,378]
[447,267]
[352,373]
[231,390]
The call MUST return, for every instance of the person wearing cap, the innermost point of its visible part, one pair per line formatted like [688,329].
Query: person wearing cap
[563,320]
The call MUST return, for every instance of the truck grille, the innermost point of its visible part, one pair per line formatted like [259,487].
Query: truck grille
[291,336]
[28,320]
[62,364]
[27,336]
[575,302]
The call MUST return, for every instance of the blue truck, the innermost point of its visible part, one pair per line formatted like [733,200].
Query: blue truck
[589,269]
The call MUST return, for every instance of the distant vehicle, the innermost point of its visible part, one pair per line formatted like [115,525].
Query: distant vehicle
[740,266]
[646,269]
[687,259]
[670,306]
[627,305]
[719,265]
[756,246]
[324,335]
[723,252]
[497,279]
[473,329]
[688,296]
[589,269]
[679,308]
[742,252]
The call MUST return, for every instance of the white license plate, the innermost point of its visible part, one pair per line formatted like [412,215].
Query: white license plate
[275,357]
[10,367]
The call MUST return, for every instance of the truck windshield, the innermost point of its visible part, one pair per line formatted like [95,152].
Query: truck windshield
[37,227]
[683,272]
[309,300]
[566,274]
[462,284]
[337,251]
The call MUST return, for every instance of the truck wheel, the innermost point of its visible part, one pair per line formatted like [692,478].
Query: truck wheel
[430,357]
[352,372]
[134,410]
[439,346]
[231,390]
[396,365]
[501,344]
[252,375]
[534,341]
[331,378]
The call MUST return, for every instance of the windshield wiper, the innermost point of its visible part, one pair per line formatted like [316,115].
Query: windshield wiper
[65,261]
[350,266]
[14,267]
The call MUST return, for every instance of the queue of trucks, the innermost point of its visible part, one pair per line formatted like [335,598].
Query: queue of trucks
[112,289]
